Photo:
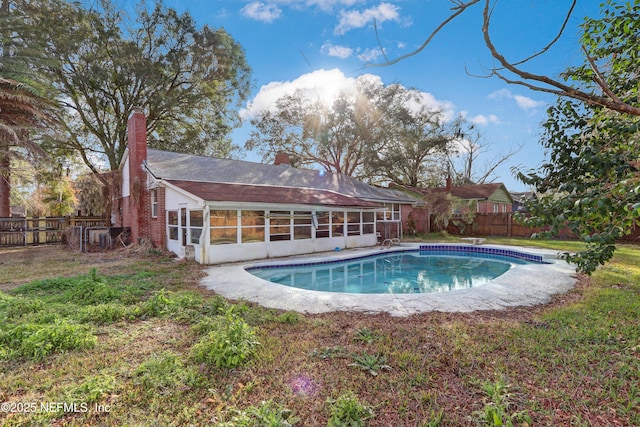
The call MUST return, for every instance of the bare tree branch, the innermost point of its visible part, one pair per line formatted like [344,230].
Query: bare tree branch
[535,82]
[459,9]
[561,89]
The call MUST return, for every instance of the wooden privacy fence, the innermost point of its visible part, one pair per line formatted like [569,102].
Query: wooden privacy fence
[39,231]
[506,225]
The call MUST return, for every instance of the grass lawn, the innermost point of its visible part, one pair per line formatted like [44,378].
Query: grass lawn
[128,338]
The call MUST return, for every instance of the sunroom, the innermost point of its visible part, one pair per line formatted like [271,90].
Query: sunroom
[234,229]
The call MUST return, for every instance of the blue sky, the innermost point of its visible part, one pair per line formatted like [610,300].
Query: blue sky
[327,43]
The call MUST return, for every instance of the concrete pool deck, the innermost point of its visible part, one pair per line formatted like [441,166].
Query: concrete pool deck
[522,285]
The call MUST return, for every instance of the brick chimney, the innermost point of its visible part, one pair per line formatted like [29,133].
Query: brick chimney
[282,158]
[138,206]
[449,184]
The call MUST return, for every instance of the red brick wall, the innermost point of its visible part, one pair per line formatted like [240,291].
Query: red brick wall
[157,226]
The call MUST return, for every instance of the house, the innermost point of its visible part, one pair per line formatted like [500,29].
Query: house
[457,201]
[520,199]
[221,210]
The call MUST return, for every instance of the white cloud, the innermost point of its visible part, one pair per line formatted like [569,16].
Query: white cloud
[261,11]
[483,120]
[370,55]
[334,50]
[501,94]
[523,102]
[527,103]
[326,85]
[358,19]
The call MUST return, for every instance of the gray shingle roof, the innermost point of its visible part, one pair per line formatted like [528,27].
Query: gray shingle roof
[217,192]
[186,167]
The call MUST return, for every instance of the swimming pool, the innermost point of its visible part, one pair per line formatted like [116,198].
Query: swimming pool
[424,270]
[521,285]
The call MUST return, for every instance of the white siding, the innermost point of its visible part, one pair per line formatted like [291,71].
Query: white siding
[125,179]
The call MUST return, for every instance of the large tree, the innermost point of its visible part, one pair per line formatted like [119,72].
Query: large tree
[592,178]
[591,182]
[372,132]
[188,79]
[25,103]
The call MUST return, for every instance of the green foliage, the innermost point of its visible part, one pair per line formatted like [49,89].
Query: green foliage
[12,308]
[36,341]
[166,374]
[372,133]
[90,193]
[102,314]
[93,389]
[231,343]
[591,182]
[177,305]
[367,335]
[329,352]
[268,414]
[58,195]
[289,317]
[497,409]
[104,63]
[348,411]
[370,363]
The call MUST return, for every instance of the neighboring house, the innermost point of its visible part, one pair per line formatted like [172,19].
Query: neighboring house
[519,200]
[458,200]
[221,210]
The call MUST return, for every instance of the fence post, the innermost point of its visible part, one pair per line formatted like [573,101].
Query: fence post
[28,231]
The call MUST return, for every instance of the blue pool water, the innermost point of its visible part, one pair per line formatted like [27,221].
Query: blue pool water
[414,271]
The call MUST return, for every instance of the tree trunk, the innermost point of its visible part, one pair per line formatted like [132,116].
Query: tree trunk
[5,183]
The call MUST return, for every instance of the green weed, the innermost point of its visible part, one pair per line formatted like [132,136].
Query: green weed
[289,317]
[93,389]
[370,363]
[348,411]
[230,343]
[367,335]
[36,341]
[329,352]
[166,374]
[268,414]
[498,407]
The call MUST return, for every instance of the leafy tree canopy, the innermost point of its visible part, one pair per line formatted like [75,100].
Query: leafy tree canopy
[372,132]
[105,63]
[591,181]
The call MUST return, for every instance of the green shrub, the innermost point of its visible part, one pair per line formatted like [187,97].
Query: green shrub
[230,343]
[347,410]
[36,341]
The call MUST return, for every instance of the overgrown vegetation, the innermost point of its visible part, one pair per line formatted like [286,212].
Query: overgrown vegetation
[134,341]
